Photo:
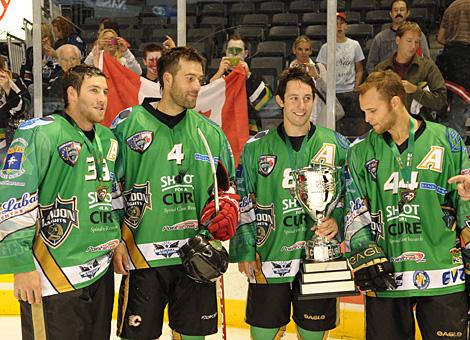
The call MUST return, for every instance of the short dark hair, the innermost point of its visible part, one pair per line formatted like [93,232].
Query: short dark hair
[387,83]
[152,48]
[237,36]
[405,1]
[293,73]
[169,61]
[75,76]
[111,24]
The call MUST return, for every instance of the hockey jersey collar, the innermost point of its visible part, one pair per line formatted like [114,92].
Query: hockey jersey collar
[402,147]
[89,134]
[170,121]
[282,133]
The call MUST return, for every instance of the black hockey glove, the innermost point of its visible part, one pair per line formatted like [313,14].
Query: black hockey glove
[372,270]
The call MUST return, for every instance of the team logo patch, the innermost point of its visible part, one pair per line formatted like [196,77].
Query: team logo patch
[120,118]
[421,279]
[407,196]
[14,159]
[32,123]
[166,249]
[455,141]
[281,268]
[69,152]
[372,167]
[140,141]
[342,141]
[266,165]
[57,221]
[264,222]
[90,269]
[456,256]
[138,199]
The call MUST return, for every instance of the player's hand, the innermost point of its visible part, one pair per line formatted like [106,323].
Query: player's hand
[224,66]
[5,81]
[463,185]
[327,228]
[372,270]
[121,260]
[246,67]
[168,43]
[122,44]
[409,87]
[223,225]
[27,287]
[249,268]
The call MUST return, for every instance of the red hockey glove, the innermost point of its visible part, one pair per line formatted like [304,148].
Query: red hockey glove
[224,224]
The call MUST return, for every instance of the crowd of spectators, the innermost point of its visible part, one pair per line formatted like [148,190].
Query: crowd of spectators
[402,47]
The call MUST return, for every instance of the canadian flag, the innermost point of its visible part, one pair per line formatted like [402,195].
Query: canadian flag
[223,101]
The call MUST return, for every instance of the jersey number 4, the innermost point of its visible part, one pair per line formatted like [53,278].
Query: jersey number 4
[176,154]
[392,182]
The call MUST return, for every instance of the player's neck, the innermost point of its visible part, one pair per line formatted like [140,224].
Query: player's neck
[296,131]
[341,38]
[401,129]
[168,107]
[83,123]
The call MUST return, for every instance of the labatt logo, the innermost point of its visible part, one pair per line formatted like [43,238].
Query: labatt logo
[14,207]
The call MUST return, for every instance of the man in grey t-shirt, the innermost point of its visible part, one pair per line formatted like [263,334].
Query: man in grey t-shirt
[384,44]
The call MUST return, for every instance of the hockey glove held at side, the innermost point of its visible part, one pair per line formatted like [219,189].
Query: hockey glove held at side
[224,224]
[372,270]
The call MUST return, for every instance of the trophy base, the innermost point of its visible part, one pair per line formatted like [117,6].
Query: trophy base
[320,280]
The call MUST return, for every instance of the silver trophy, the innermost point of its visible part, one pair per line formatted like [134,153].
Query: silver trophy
[317,188]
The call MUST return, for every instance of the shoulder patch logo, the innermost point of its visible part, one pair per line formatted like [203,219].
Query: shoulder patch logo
[57,221]
[69,152]
[140,141]
[113,148]
[266,165]
[372,167]
[14,159]
[138,199]
[342,141]
[32,123]
[264,222]
[455,140]
[120,118]
[259,135]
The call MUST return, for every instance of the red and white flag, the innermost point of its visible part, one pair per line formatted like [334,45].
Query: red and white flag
[223,101]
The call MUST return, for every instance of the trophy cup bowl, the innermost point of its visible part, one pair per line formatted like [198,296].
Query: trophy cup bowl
[317,188]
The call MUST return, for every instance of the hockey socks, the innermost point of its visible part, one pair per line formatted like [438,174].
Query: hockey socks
[303,334]
[258,333]
[178,336]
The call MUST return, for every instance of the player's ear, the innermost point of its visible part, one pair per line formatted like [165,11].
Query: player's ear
[72,94]
[167,79]
[279,101]
[395,102]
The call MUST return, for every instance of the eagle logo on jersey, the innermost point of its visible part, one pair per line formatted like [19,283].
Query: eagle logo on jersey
[89,270]
[166,249]
[282,268]
[14,159]
[266,165]
[455,141]
[137,199]
[264,222]
[372,167]
[57,221]
[69,152]
[140,141]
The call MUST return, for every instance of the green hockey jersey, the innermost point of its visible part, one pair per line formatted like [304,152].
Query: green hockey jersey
[274,227]
[417,225]
[166,180]
[52,218]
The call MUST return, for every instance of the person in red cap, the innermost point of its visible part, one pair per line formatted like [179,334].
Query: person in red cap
[349,75]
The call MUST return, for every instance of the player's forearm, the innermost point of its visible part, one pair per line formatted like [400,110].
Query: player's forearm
[16,254]
[243,244]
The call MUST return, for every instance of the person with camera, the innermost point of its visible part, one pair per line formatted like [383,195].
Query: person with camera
[257,91]
[167,194]
[110,42]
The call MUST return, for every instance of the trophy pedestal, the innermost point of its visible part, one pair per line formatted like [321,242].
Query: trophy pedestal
[320,280]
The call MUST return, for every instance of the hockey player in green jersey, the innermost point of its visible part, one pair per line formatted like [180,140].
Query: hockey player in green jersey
[404,219]
[270,240]
[167,187]
[57,229]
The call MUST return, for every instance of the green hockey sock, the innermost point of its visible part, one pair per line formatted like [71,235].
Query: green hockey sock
[258,333]
[303,334]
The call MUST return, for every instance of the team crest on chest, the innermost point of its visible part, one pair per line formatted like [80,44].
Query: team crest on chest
[266,165]
[57,221]
[138,199]
[264,222]
[371,167]
[140,141]
[69,152]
